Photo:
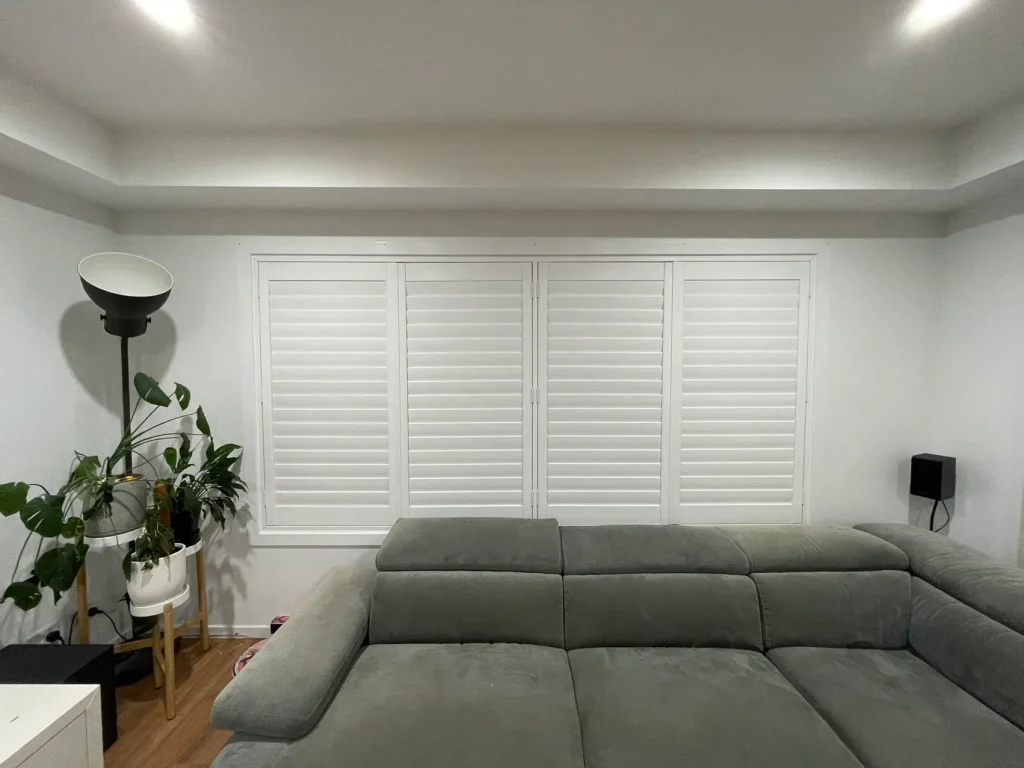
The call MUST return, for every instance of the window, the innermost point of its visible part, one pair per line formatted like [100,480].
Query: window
[593,391]
[739,384]
[602,391]
[467,363]
[330,435]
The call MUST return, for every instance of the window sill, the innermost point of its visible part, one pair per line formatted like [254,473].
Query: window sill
[318,537]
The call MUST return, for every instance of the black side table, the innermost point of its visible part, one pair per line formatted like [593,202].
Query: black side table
[68,665]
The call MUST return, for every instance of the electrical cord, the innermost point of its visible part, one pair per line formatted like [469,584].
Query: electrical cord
[931,521]
[95,611]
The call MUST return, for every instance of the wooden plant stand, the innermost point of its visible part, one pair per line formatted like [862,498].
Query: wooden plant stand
[164,631]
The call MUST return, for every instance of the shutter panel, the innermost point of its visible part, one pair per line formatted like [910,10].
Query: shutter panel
[602,383]
[739,374]
[329,429]
[468,338]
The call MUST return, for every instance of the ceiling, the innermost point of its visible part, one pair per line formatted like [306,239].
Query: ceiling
[302,64]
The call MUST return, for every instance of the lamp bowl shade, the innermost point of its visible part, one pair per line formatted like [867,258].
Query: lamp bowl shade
[128,288]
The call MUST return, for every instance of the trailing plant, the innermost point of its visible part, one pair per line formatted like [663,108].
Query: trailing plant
[154,543]
[58,518]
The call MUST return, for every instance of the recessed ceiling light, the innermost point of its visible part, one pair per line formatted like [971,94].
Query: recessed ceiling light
[176,15]
[928,15]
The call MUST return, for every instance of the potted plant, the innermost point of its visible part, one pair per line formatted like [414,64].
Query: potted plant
[155,569]
[95,500]
[194,490]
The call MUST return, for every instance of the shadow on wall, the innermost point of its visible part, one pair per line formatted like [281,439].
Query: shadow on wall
[93,355]
[227,560]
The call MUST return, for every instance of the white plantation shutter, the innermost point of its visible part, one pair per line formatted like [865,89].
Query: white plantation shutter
[602,335]
[329,374]
[739,384]
[467,347]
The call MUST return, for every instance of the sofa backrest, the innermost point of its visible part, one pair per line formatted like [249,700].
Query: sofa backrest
[967,616]
[642,585]
[754,587]
[826,587]
[477,580]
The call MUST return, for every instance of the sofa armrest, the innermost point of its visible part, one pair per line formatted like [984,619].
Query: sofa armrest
[286,688]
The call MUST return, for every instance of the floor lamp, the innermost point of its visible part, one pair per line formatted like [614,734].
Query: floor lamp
[128,288]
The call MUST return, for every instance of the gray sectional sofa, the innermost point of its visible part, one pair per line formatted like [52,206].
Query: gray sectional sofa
[494,643]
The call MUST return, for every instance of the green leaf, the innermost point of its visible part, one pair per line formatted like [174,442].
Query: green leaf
[150,391]
[182,395]
[185,455]
[74,528]
[224,451]
[192,503]
[126,566]
[86,468]
[201,423]
[171,457]
[57,568]
[44,515]
[25,595]
[12,498]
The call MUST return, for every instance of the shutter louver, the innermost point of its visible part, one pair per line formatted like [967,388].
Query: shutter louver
[327,388]
[740,342]
[468,331]
[602,338]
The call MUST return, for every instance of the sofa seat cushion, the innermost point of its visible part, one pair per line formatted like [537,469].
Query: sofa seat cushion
[696,707]
[443,706]
[894,711]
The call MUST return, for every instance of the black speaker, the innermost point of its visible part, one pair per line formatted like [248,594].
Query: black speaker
[933,477]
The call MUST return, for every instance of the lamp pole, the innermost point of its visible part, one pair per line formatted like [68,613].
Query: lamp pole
[126,414]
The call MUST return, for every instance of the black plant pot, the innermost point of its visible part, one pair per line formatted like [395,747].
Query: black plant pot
[185,527]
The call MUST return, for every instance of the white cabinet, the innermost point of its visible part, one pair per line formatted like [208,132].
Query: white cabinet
[44,726]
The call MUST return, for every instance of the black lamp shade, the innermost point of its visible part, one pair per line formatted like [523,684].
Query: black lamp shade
[128,288]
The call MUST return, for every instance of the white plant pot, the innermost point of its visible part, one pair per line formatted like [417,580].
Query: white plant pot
[161,582]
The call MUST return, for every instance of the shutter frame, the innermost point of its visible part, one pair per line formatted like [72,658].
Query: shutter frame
[452,350]
[606,420]
[328,349]
[724,493]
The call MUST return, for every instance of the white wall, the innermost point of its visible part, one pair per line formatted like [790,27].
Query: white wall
[978,379]
[906,328]
[874,340]
[873,344]
[58,389]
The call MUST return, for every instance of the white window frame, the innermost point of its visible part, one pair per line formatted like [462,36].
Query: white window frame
[252,251]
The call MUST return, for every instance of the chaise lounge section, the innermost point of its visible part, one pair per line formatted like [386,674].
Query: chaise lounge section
[502,642]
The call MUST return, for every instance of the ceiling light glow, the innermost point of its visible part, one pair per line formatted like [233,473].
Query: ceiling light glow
[176,15]
[928,15]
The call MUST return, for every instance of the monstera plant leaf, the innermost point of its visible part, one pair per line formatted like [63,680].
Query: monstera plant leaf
[13,497]
[182,395]
[44,515]
[150,391]
[25,594]
[57,568]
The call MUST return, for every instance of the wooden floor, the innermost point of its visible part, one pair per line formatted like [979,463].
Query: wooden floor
[147,738]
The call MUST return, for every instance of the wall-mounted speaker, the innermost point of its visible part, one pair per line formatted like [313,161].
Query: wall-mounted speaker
[933,477]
